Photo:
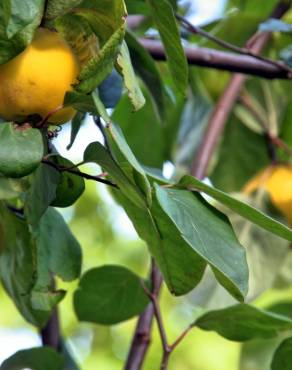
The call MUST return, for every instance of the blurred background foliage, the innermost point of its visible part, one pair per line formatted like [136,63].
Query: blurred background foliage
[169,140]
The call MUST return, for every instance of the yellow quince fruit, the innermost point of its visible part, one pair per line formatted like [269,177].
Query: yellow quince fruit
[277,181]
[36,80]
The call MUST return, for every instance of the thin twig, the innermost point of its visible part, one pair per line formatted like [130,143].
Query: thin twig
[141,339]
[50,334]
[80,174]
[226,102]
[227,45]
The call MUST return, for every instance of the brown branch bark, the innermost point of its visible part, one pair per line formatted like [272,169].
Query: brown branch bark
[226,102]
[142,336]
[50,334]
[216,59]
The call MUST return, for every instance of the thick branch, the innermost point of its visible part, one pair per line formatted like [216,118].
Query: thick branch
[226,61]
[226,102]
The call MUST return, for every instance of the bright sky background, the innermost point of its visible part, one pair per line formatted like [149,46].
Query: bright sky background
[13,340]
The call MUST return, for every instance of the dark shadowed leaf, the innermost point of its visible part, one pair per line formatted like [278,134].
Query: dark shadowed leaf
[282,356]
[42,358]
[17,265]
[70,186]
[108,295]
[44,182]
[143,131]
[76,124]
[243,322]
[21,150]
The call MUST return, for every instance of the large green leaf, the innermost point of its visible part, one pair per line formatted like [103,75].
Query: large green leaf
[131,82]
[20,13]
[282,356]
[163,16]
[42,358]
[210,234]
[239,207]
[21,150]
[181,266]
[108,295]
[243,322]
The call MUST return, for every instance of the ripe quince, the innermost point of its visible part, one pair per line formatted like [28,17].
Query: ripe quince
[36,80]
[277,181]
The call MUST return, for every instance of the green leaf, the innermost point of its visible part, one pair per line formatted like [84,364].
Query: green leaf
[81,102]
[56,8]
[282,356]
[10,47]
[41,358]
[238,207]
[115,135]
[21,150]
[17,265]
[140,177]
[162,14]
[210,234]
[98,68]
[76,124]
[146,68]
[70,186]
[19,14]
[132,85]
[42,192]
[241,162]
[181,267]
[58,253]
[143,131]
[96,153]
[243,322]
[108,295]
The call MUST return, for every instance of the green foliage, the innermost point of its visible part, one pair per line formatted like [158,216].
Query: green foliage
[282,356]
[243,322]
[21,150]
[34,358]
[104,294]
[210,252]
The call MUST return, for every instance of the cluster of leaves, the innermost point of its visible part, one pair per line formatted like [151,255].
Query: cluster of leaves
[185,233]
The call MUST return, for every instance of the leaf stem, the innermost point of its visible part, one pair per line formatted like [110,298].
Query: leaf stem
[80,174]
